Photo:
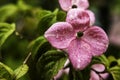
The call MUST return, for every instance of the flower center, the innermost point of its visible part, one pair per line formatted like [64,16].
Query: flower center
[79,34]
[74,6]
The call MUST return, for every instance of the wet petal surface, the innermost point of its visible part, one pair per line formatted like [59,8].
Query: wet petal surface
[83,4]
[65,4]
[79,54]
[98,67]
[97,39]
[92,17]
[94,76]
[78,18]
[60,35]
[104,75]
[68,4]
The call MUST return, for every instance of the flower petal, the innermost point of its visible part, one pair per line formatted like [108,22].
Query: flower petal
[104,75]
[97,39]
[65,4]
[98,67]
[78,18]
[60,35]
[82,4]
[92,17]
[94,76]
[79,54]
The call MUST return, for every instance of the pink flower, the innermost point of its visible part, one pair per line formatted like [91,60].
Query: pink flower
[80,40]
[80,49]
[68,4]
[92,17]
[98,72]
[80,19]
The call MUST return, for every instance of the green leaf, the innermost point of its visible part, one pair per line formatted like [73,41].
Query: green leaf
[111,59]
[77,75]
[50,63]
[21,71]
[56,11]
[118,61]
[41,13]
[6,73]
[49,18]
[5,31]
[22,5]
[3,79]
[35,44]
[38,46]
[46,22]
[103,59]
[61,16]
[7,11]
[115,71]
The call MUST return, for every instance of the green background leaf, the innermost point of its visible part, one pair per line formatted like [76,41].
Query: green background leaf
[5,72]
[46,22]
[21,71]
[61,15]
[35,45]
[50,63]
[115,71]
[102,59]
[38,46]
[7,11]
[5,31]
[50,18]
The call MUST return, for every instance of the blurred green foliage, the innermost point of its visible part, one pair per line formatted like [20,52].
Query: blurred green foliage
[29,17]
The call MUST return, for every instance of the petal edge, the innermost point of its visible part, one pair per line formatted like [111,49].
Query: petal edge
[60,35]
[97,39]
[79,54]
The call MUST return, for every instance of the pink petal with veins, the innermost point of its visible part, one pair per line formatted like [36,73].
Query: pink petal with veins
[78,18]
[92,17]
[97,39]
[65,4]
[60,35]
[79,54]
[83,4]
[104,75]
[94,76]
[98,67]
[97,72]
